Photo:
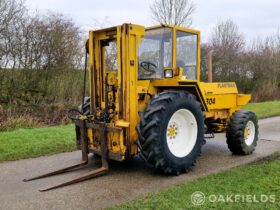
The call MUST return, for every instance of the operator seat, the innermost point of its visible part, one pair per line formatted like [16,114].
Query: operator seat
[180,63]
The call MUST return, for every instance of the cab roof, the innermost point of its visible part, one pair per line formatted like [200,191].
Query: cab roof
[174,27]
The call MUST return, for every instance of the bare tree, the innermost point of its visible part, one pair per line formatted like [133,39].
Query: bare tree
[226,35]
[63,43]
[8,10]
[37,42]
[262,62]
[228,44]
[11,12]
[174,12]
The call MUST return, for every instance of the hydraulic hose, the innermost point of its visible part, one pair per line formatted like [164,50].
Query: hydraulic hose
[85,80]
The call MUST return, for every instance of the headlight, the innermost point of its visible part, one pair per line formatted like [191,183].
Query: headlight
[168,73]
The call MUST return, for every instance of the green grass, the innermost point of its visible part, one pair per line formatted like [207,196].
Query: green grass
[256,179]
[35,142]
[264,109]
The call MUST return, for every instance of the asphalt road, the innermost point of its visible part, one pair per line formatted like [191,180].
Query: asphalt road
[124,181]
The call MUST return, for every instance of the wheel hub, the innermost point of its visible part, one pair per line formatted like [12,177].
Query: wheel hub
[172,130]
[246,130]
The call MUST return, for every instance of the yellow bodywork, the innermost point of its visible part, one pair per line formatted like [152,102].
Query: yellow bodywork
[128,96]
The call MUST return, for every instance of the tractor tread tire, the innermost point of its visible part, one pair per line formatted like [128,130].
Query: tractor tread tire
[86,108]
[151,131]
[235,132]
[85,111]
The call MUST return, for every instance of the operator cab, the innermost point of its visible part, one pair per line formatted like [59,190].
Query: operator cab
[166,48]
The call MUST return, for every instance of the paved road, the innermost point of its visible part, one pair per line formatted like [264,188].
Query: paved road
[125,181]
[270,129]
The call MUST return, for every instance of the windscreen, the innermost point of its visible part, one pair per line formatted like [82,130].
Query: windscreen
[155,53]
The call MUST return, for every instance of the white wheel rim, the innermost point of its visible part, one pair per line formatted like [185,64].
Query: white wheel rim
[250,126]
[181,133]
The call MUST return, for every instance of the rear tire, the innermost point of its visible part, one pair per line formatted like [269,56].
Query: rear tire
[84,111]
[171,131]
[86,107]
[242,132]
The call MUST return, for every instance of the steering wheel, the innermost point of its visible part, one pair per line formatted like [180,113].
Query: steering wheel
[146,65]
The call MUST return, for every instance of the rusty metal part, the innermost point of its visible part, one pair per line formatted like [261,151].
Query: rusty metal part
[100,171]
[89,175]
[60,171]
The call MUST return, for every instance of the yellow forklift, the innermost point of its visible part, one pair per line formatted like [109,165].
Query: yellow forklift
[146,98]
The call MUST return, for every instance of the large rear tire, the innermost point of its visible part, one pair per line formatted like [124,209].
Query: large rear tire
[242,132]
[86,107]
[85,111]
[171,131]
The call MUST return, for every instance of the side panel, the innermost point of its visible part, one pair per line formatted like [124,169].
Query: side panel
[223,96]
[219,95]
[213,96]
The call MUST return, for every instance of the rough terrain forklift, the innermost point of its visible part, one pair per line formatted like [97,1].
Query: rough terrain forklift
[146,98]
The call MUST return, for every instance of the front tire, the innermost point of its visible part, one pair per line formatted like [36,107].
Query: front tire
[171,131]
[242,132]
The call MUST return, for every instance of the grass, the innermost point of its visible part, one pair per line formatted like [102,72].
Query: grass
[35,142]
[265,109]
[254,180]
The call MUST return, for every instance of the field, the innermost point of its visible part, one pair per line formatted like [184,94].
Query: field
[265,109]
[29,143]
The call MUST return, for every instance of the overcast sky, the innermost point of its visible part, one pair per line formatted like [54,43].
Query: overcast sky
[255,18]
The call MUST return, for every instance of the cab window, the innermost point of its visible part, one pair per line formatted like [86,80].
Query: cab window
[155,53]
[186,54]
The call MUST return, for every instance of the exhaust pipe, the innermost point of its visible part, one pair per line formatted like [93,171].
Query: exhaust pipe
[209,65]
